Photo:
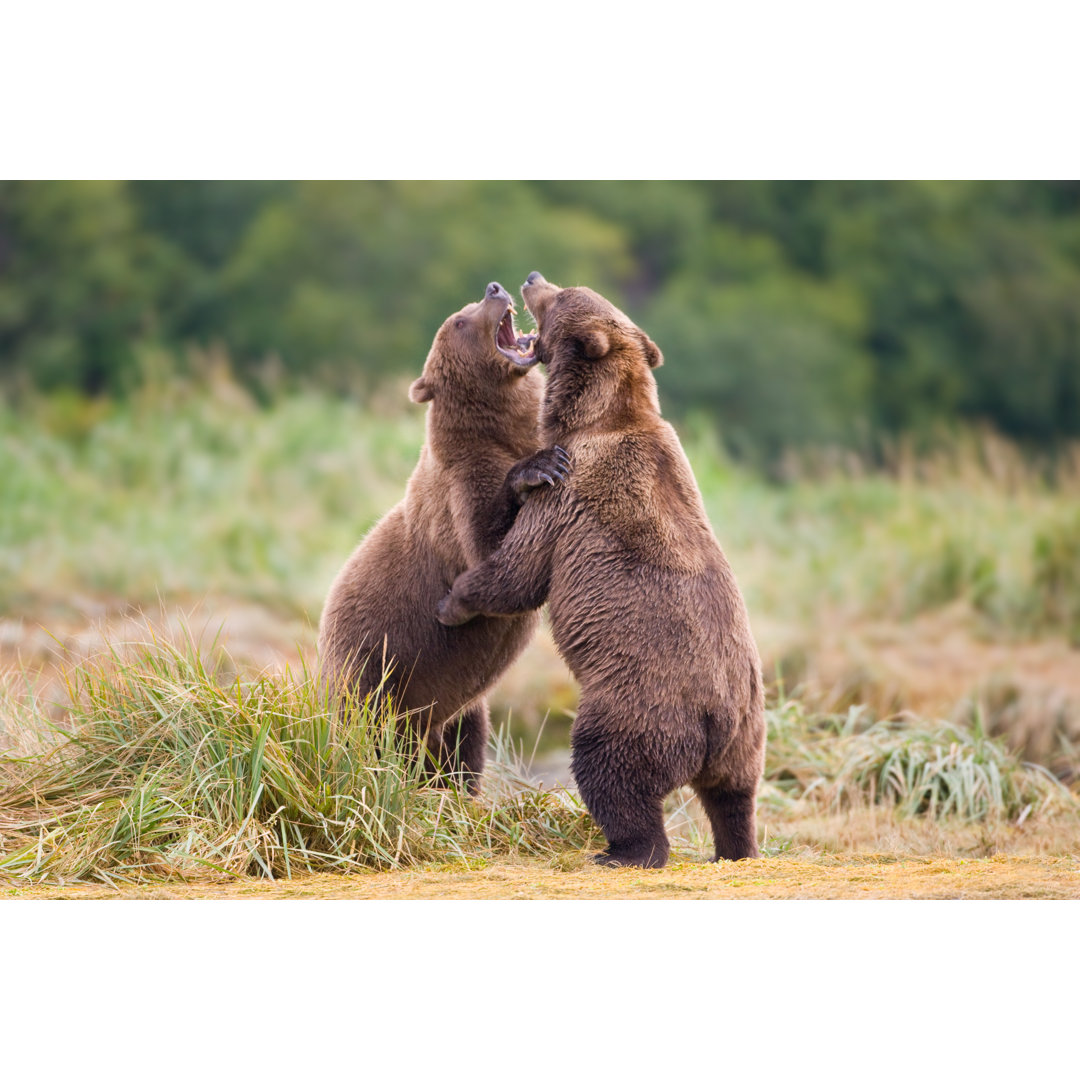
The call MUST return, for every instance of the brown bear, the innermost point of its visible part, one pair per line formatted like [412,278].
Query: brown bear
[378,630]
[643,604]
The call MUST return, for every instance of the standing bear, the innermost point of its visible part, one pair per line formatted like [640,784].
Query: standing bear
[643,604]
[378,631]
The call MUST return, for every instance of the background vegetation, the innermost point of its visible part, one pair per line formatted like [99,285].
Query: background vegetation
[791,313]
[203,409]
[938,584]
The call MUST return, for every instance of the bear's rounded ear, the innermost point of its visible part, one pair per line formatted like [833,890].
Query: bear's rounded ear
[420,391]
[652,350]
[595,344]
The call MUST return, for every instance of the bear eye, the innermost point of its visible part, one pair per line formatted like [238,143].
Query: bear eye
[460,323]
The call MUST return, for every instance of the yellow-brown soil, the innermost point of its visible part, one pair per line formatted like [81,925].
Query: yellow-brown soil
[872,876]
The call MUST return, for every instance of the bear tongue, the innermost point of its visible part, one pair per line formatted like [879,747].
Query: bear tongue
[505,337]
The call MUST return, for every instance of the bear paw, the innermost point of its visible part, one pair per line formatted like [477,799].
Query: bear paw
[549,467]
[451,611]
[649,856]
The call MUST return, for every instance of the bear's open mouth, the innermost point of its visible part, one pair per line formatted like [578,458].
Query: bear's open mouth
[518,348]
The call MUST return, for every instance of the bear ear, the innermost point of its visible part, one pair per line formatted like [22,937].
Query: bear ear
[595,344]
[420,391]
[652,350]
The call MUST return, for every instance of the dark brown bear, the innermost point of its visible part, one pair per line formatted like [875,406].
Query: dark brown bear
[644,606]
[462,497]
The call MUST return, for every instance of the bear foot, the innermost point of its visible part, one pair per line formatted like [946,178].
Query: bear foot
[736,855]
[648,857]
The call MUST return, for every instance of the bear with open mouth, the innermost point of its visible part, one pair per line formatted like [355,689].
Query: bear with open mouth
[644,606]
[378,633]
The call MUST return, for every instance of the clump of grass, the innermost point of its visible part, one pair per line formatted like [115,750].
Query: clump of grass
[162,770]
[941,771]
[1056,576]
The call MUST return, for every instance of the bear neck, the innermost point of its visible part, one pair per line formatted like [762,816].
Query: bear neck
[456,430]
[611,402]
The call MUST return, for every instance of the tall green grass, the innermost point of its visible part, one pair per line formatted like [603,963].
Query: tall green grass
[192,489]
[183,491]
[160,769]
[979,524]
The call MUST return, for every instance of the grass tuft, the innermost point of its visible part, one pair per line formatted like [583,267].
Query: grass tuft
[163,770]
[942,771]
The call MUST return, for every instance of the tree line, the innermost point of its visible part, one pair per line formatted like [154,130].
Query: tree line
[790,313]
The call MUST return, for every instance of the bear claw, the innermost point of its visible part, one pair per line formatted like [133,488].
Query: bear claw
[549,467]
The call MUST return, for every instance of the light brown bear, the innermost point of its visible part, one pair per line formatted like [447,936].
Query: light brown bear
[462,497]
[644,606]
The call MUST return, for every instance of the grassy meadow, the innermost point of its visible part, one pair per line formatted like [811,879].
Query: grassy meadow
[163,562]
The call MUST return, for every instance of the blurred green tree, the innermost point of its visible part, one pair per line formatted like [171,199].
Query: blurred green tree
[362,275]
[790,313]
[79,283]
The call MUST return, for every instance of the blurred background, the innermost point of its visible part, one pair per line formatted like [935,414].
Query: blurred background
[878,384]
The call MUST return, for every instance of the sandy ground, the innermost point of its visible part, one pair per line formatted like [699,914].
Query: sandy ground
[871,876]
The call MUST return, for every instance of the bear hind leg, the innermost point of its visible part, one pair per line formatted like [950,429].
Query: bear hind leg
[733,817]
[462,747]
[624,793]
[652,854]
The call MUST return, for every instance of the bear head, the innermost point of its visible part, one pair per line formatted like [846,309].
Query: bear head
[599,362]
[468,372]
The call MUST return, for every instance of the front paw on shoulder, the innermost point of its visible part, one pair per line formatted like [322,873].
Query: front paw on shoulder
[544,468]
[451,612]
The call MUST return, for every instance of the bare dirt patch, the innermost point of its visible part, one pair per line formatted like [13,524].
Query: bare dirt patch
[929,663]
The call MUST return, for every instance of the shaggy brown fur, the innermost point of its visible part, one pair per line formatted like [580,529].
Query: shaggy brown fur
[462,497]
[644,606]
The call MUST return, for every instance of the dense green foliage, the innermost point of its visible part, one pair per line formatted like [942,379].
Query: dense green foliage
[790,313]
